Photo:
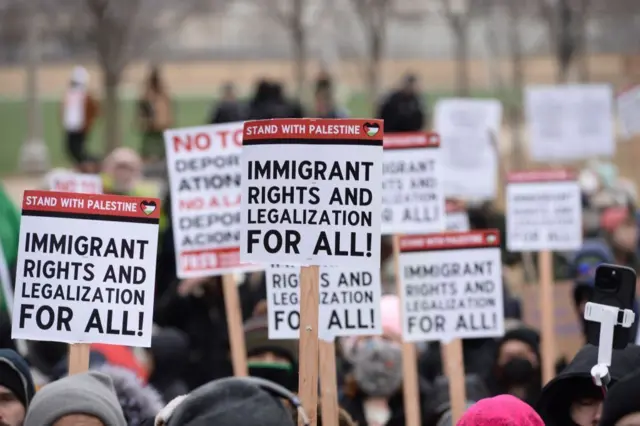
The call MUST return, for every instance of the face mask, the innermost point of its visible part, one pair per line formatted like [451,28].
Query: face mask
[377,367]
[279,373]
[517,372]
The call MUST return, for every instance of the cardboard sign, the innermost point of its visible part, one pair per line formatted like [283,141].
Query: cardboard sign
[412,192]
[205,177]
[311,192]
[349,302]
[451,285]
[68,181]
[570,122]
[457,218]
[470,159]
[544,211]
[628,103]
[86,268]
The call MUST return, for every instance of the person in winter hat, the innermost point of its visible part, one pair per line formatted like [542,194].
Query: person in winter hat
[517,367]
[502,410]
[227,401]
[621,405]
[82,399]
[16,388]
[572,398]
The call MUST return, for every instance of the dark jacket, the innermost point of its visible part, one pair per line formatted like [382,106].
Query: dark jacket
[402,112]
[227,112]
[354,405]
[559,393]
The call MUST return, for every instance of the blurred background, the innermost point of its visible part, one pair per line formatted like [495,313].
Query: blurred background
[206,48]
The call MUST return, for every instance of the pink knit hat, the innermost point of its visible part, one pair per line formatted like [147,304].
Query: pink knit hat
[390,309]
[502,410]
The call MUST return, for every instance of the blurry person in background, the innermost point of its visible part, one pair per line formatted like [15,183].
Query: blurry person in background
[79,111]
[269,102]
[16,388]
[372,393]
[229,109]
[122,172]
[155,115]
[439,412]
[621,406]
[402,110]
[621,231]
[517,367]
[325,104]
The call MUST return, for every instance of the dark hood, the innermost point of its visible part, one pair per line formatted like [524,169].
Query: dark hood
[553,405]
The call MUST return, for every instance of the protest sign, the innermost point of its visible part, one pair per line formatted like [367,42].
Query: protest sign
[470,159]
[68,181]
[451,286]
[205,174]
[457,218]
[311,192]
[570,122]
[544,211]
[349,301]
[86,268]
[628,103]
[412,192]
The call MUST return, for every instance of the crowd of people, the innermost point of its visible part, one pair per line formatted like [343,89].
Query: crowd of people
[184,377]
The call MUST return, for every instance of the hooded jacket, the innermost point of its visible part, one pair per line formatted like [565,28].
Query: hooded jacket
[558,394]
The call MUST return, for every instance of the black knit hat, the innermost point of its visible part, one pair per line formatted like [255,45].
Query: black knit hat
[621,400]
[525,335]
[16,376]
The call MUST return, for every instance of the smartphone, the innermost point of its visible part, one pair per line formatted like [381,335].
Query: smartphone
[614,286]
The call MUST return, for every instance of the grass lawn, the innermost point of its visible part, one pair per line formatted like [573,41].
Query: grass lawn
[190,112]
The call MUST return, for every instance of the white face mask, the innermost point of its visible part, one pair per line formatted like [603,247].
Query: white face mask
[589,182]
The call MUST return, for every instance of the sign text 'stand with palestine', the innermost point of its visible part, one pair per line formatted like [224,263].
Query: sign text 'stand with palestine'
[412,187]
[205,176]
[451,285]
[311,192]
[86,268]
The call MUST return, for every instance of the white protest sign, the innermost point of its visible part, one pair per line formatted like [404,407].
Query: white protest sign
[311,192]
[544,211]
[5,282]
[86,268]
[629,111]
[412,191]
[451,286]
[68,181]
[570,122]
[204,174]
[470,159]
[349,302]
[457,218]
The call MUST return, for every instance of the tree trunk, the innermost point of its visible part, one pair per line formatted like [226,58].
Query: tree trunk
[112,130]
[373,67]
[299,47]
[581,41]
[513,110]
[461,31]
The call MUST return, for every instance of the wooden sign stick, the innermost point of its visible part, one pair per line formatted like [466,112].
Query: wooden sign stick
[453,360]
[328,383]
[410,386]
[79,358]
[234,326]
[547,312]
[309,307]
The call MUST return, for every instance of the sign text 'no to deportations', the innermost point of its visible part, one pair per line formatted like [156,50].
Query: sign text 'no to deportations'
[69,181]
[311,192]
[412,190]
[86,268]
[205,175]
[544,211]
[349,302]
[451,285]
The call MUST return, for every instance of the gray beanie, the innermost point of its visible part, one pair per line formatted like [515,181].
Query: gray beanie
[230,402]
[90,393]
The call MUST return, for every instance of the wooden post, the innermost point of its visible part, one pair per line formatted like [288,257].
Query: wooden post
[547,312]
[328,383]
[453,365]
[234,326]
[309,307]
[410,386]
[79,358]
